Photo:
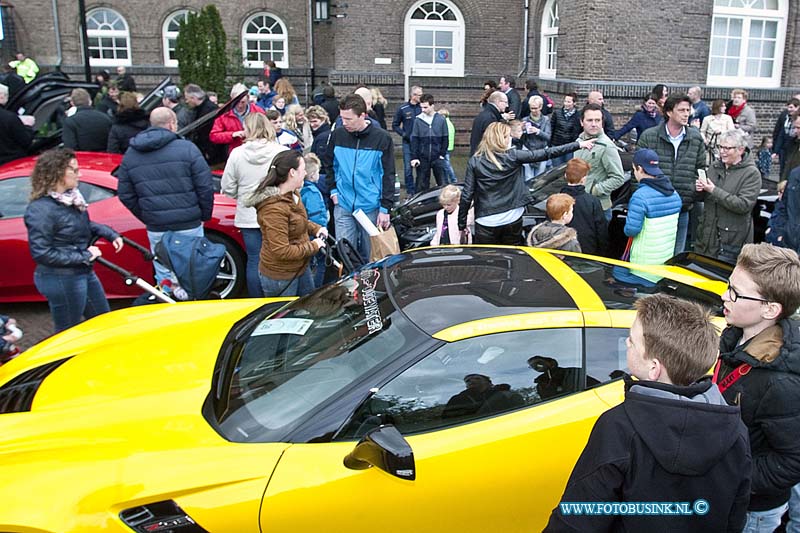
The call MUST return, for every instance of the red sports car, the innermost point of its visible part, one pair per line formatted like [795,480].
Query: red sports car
[99,188]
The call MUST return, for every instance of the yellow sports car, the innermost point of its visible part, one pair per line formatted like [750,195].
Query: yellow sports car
[441,390]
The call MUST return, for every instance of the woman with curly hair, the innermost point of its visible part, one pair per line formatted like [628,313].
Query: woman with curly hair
[60,236]
[284,89]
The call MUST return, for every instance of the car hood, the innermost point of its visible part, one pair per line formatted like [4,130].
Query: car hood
[120,425]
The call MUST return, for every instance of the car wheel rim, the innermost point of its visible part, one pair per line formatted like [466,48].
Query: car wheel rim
[226,279]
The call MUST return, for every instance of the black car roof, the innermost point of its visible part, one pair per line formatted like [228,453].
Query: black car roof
[438,288]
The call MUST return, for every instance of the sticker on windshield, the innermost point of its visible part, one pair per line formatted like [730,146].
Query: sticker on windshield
[283,326]
[369,279]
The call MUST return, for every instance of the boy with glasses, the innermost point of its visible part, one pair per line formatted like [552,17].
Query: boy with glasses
[759,370]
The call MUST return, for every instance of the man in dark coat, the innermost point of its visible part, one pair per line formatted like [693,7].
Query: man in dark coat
[759,370]
[533,90]
[782,132]
[15,137]
[165,182]
[86,130]
[674,438]
[507,86]
[124,80]
[199,104]
[491,112]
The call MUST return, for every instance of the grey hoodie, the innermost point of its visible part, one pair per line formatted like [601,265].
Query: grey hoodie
[247,165]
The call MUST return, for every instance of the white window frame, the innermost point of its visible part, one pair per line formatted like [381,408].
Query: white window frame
[747,16]
[167,35]
[549,35]
[456,27]
[109,33]
[284,38]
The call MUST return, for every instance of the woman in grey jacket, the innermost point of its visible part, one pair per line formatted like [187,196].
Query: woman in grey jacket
[730,192]
[494,183]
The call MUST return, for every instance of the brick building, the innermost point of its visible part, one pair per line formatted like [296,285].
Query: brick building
[448,46]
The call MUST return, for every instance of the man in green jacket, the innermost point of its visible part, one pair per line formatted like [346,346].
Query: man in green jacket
[606,173]
[26,67]
[681,153]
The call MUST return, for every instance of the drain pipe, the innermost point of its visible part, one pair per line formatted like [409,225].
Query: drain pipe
[525,39]
[59,57]
[310,23]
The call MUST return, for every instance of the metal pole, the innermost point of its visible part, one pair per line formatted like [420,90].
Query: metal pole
[60,58]
[85,38]
[311,43]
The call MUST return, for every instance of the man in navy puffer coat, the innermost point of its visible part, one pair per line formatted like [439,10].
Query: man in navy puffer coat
[165,182]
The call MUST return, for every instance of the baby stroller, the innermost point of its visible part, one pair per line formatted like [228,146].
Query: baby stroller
[195,262]
[341,259]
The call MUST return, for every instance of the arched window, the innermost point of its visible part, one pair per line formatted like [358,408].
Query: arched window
[169,35]
[747,40]
[109,38]
[264,38]
[548,47]
[434,37]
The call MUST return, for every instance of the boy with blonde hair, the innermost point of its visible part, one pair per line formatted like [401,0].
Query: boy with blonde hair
[317,212]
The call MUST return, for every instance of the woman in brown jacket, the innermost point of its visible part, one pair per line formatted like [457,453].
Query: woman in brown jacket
[289,239]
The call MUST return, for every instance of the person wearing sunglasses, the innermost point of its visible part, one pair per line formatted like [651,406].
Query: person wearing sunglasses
[759,370]
[730,191]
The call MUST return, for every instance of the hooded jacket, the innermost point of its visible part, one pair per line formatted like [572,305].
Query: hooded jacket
[664,443]
[127,124]
[640,121]
[554,236]
[769,398]
[286,233]
[247,165]
[588,220]
[165,182]
[429,140]
[497,190]
[727,223]
[652,221]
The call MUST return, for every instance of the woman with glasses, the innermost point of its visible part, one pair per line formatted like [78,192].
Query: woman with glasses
[730,191]
[60,237]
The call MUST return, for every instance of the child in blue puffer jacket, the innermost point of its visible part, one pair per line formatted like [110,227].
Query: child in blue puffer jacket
[317,212]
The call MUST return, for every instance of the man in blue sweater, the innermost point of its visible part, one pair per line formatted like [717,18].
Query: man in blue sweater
[429,140]
[402,124]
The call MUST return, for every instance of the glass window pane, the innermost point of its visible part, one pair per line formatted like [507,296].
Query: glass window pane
[424,38]
[418,14]
[277,56]
[424,55]
[720,26]
[449,15]
[751,69]
[731,67]
[277,45]
[444,38]
[119,42]
[756,28]
[768,50]
[444,55]
[734,45]
[771,29]
[754,49]
[766,68]
[771,4]
[717,46]
[606,354]
[107,53]
[716,67]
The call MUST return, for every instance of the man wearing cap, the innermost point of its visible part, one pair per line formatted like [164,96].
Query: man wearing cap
[682,152]
[15,137]
[653,212]
[228,128]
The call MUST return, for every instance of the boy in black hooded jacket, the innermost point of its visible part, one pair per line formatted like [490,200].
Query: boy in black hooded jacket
[673,439]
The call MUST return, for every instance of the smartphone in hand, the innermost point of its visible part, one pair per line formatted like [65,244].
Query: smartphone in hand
[701,174]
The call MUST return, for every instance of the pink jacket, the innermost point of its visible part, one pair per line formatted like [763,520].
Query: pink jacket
[452,227]
[226,125]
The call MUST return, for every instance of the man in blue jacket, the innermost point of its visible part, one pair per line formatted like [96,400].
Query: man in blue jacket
[359,168]
[165,182]
[402,124]
[429,141]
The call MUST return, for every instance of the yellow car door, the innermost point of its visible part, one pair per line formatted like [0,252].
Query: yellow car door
[495,422]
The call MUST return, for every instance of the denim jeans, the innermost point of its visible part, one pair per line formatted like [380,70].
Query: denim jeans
[252,245]
[562,159]
[683,228]
[71,296]
[408,171]
[451,174]
[424,173]
[794,511]
[608,213]
[154,237]
[299,286]
[318,269]
[764,521]
[348,228]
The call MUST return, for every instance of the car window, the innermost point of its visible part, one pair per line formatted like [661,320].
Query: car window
[475,378]
[606,355]
[94,193]
[620,287]
[298,359]
[14,193]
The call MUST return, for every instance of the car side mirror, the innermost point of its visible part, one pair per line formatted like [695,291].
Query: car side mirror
[385,448]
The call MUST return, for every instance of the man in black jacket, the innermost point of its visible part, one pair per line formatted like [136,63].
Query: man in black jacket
[86,130]
[507,86]
[15,137]
[165,182]
[673,439]
[491,112]
[759,370]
